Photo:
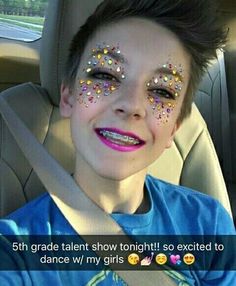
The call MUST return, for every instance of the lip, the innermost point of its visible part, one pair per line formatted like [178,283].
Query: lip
[117,147]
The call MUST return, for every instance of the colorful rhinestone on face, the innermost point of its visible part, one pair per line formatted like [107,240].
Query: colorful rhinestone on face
[89,91]
[169,80]
[101,56]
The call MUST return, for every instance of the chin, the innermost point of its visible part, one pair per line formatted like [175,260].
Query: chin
[116,174]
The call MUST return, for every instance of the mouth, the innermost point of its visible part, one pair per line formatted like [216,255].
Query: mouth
[119,140]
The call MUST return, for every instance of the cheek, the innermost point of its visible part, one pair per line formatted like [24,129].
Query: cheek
[89,92]
[162,111]
[162,123]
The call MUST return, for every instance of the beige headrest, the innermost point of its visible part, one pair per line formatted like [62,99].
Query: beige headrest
[62,21]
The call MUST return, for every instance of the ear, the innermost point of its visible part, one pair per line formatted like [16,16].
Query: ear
[169,142]
[67,101]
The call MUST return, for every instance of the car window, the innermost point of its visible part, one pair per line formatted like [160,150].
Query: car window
[22,19]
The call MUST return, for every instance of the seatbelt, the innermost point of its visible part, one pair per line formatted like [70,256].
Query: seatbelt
[84,216]
[225,121]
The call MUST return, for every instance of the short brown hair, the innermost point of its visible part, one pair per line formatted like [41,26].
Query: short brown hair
[194,22]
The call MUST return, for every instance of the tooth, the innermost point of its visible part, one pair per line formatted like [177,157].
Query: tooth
[121,138]
[125,138]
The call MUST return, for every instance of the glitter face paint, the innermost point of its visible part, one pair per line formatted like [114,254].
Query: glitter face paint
[103,56]
[168,82]
[90,91]
[168,85]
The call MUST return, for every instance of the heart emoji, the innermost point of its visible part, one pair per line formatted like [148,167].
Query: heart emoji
[174,259]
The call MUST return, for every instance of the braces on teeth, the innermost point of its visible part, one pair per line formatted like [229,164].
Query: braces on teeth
[116,136]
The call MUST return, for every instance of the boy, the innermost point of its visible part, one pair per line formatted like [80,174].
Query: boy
[131,73]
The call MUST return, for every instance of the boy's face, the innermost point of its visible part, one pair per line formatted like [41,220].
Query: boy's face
[128,94]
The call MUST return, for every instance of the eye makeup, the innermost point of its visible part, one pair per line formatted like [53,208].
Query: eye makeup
[90,91]
[105,72]
[107,56]
[164,89]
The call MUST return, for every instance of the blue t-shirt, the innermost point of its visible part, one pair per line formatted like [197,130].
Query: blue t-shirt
[174,210]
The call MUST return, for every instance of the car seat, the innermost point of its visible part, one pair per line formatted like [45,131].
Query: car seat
[229,19]
[191,161]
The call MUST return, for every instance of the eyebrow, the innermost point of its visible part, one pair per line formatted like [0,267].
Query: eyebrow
[120,57]
[112,54]
[168,71]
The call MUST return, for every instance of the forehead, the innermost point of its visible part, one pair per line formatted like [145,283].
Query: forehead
[145,44]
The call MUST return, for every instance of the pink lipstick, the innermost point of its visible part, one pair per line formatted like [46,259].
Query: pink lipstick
[119,140]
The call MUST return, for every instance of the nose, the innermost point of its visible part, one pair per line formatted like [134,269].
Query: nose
[131,103]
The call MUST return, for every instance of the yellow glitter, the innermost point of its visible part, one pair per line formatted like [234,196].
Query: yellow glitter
[88,70]
[105,51]
[151,99]
[89,82]
[165,78]
[98,91]
[99,56]
[102,63]
[112,88]
[176,94]
[81,81]
[110,62]
[170,84]
[176,79]
[174,71]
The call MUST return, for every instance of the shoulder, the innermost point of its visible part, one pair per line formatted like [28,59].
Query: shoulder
[40,216]
[184,194]
[199,211]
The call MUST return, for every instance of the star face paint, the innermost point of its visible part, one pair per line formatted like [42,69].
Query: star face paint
[105,70]
[164,89]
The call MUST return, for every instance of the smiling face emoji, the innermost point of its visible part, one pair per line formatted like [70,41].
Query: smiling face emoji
[133,259]
[189,258]
[161,258]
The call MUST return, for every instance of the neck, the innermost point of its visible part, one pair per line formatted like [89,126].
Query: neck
[121,196]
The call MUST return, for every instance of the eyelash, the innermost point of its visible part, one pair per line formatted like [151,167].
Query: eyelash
[162,92]
[108,76]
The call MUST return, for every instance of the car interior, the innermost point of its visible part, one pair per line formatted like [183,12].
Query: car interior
[202,156]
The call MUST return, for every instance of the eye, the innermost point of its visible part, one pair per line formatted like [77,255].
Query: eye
[103,76]
[162,93]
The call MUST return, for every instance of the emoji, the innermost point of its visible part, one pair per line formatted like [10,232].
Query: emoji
[175,259]
[161,258]
[147,260]
[189,258]
[133,259]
